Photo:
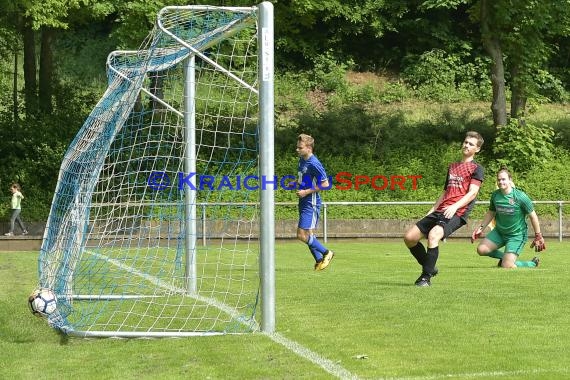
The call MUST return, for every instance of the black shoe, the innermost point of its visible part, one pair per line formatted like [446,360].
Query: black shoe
[536,260]
[425,278]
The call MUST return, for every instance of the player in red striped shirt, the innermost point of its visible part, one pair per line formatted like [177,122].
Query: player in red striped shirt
[450,211]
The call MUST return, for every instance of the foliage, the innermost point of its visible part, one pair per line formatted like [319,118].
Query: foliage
[349,124]
[394,92]
[548,181]
[550,87]
[308,28]
[33,150]
[81,56]
[440,76]
[434,70]
[529,44]
[411,138]
[134,19]
[329,74]
[51,13]
[411,121]
[522,146]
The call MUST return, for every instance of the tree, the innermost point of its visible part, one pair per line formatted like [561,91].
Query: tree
[10,45]
[29,20]
[491,42]
[46,71]
[535,25]
[30,67]
[348,29]
[519,37]
[132,20]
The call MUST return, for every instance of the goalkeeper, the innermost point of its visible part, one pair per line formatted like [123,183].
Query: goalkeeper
[509,207]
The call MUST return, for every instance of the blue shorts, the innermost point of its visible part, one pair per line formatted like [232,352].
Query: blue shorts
[308,214]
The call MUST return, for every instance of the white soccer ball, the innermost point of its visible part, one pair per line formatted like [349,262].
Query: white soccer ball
[42,302]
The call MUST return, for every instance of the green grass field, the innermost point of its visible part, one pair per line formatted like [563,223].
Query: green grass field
[362,318]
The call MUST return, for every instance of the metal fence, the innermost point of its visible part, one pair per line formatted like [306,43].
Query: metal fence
[207,228]
[326,206]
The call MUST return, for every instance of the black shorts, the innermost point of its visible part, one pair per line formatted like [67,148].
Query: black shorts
[437,219]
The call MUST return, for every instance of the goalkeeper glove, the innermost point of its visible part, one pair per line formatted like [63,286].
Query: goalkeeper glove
[538,243]
[476,233]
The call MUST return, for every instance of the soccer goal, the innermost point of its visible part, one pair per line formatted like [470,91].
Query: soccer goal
[153,230]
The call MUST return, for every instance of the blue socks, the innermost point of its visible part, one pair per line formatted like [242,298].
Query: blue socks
[316,248]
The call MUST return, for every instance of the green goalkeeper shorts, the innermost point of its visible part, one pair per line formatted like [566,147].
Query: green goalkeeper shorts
[512,244]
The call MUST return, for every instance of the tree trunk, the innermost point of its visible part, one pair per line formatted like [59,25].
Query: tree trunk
[15,91]
[46,71]
[493,47]
[518,95]
[518,103]
[30,83]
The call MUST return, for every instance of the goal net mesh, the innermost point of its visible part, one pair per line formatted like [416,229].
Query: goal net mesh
[153,226]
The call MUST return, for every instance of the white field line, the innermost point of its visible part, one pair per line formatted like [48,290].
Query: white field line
[327,365]
[476,375]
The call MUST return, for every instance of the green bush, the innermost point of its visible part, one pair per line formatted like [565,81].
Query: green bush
[521,146]
[329,74]
[349,124]
[438,76]
[356,133]
[550,87]
[393,92]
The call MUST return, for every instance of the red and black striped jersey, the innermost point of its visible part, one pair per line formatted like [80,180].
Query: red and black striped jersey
[460,175]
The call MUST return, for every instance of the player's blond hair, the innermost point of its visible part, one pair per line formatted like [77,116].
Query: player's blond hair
[307,140]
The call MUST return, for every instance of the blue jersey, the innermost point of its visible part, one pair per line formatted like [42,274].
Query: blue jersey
[310,174]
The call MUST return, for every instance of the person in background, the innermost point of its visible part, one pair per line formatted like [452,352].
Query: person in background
[16,205]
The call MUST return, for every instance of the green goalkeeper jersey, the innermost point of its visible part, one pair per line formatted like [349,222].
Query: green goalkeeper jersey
[511,211]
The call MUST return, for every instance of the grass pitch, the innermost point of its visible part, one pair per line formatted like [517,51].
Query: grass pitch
[362,315]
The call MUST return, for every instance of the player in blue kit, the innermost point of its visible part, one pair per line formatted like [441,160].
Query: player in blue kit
[311,179]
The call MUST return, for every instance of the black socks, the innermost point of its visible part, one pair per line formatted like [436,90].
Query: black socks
[419,252]
[426,259]
[429,265]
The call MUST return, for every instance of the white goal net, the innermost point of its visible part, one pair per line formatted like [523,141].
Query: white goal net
[152,231]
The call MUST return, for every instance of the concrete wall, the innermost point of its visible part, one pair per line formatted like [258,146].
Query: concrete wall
[284,229]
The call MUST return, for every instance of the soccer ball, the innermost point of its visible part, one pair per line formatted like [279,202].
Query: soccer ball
[42,302]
